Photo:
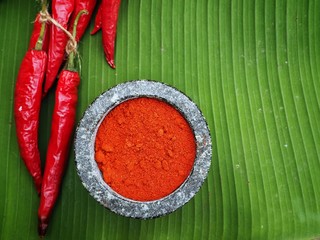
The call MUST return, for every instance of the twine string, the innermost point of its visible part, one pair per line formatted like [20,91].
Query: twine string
[72,43]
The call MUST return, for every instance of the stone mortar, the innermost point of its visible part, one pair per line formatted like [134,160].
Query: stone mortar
[90,174]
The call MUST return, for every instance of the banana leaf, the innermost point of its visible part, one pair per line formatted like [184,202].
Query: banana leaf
[253,68]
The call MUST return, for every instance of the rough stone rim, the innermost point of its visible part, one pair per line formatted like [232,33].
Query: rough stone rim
[90,174]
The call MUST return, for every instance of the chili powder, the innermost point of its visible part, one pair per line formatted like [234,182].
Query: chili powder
[145,149]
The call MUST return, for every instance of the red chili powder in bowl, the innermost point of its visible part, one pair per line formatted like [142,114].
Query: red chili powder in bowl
[145,149]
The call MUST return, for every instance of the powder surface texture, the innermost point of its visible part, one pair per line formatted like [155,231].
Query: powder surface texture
[145,149]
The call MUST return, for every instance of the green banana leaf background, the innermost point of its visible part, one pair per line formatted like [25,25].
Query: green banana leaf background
[253,68]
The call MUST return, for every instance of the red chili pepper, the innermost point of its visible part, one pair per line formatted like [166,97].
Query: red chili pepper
[61,12]
[109,18]
[83,21]
[37,25]
[97,22]
[63,121]
[27,99]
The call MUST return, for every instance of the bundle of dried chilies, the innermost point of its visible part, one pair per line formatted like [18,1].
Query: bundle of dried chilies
[48,48]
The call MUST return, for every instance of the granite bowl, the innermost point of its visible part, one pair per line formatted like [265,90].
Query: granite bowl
[90,174]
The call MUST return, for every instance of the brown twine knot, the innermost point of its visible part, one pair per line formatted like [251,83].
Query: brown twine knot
[43,16]
[71,47]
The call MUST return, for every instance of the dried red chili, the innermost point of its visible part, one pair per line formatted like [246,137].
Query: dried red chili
[27,99]
[145,149]
[61,12]
[63,120]
[80,5]
[97,22]
[109,19]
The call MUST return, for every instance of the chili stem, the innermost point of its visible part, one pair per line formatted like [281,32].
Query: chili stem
[70,63]
[43,28]
[44,5]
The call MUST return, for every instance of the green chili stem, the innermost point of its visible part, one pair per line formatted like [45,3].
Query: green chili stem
[44,5]
[39,43]
[70,63]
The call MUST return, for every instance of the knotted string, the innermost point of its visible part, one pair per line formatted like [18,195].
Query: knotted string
[72,43]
